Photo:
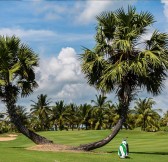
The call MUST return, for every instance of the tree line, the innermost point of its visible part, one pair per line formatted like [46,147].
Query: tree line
[99,114]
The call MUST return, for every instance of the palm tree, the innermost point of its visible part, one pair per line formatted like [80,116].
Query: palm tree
[99,111]
[71,115]
[23,114]
[42,110]
[4,123]
[147,118]
[113,115]
[84,115]
[17,77]
[59,114]
[164,120]
[130,121]
[123,61]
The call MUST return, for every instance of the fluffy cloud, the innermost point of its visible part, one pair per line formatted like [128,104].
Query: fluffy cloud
[81,12]
[90,9]
[165,2]
[29,35]
[41,35]
[50,11]
[61,78]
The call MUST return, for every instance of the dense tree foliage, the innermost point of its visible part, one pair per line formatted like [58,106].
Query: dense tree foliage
[99,114]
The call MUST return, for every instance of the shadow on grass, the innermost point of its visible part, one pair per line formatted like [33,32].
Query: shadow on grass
[150,153]
[17,147]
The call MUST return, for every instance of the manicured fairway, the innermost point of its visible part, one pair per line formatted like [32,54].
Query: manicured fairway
[144,147]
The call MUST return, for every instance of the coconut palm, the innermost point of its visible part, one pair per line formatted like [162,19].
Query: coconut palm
[4,122]
[23,114]
[99,112]
[113,115]
[130,122]
[164,120]
[71,115]
[123,61]
[59,114]
[41,108]
[147,117]
[84,116]
[17,78]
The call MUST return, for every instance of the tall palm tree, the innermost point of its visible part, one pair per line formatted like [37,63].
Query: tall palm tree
[42,110]
[17,78]
[123,61]
[147,118]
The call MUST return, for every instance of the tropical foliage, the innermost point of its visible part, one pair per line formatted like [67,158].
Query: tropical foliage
[99,114]
[40,110]
[147,117]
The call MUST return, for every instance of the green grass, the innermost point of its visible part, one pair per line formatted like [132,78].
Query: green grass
[144,147]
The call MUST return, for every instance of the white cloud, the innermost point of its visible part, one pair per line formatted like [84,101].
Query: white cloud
[89,10]
[165,11]
[50,11]
[61,77]
[30,34]
[82,12]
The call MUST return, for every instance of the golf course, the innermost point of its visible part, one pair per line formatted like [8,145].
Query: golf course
[144,147]
[84,81]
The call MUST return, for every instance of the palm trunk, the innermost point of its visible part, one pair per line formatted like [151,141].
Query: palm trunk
[94,145]
[28,133]
[10,101]
[124,96]
[101,143]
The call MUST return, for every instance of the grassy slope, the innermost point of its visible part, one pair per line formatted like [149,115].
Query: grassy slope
[144,147]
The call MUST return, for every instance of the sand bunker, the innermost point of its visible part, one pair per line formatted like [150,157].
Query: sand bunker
[50,147]
[9,137]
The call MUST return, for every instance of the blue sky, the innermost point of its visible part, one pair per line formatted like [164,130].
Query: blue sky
[57,30]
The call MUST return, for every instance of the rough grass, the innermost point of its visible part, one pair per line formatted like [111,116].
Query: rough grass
[144,147]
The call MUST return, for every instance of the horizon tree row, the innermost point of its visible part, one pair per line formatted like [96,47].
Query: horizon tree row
[100,114]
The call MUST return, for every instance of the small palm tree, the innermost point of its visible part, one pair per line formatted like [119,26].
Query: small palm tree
[113,115]
[130,122]
[42,110]
[23,114]
[147,118]
[164,120]
[71,115]
[99,111]
[59,114]
[84,115]
[5,124]
[17,77]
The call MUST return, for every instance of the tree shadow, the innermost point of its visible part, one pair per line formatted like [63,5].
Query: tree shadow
[147,153]
[17,147]
[151,153]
